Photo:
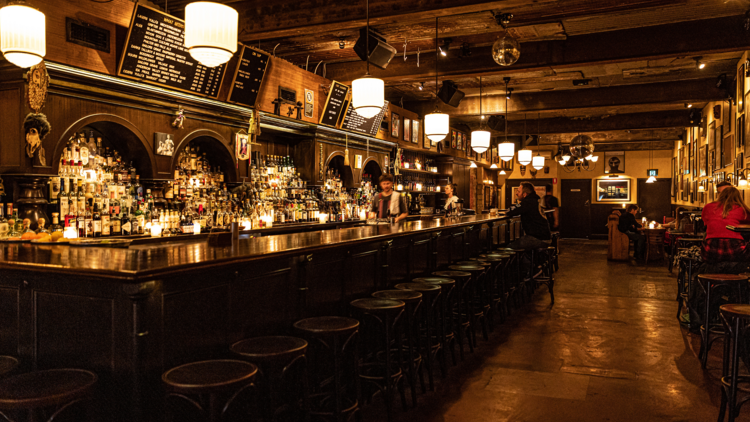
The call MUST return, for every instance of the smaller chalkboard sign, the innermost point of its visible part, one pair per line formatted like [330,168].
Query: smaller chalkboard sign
[248,77]
[334,104]
[357,123]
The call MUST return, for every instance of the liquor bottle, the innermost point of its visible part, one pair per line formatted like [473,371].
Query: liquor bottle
[139,222]
[126,227]
[96,220]
[4,229]
[106,221]
[89,221]
[81,198]
[115,225]
[55,227]
[62,198]
[81,222]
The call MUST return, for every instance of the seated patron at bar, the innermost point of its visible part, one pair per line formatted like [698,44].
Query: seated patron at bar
[723,250]
[450,203]
[389,203]
[629,225]
[534,223]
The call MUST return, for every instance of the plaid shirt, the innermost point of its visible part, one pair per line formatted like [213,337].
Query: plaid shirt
[724,250]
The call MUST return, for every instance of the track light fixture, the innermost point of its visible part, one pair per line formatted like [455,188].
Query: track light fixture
[688,105]
[421,86]
[699,63]
[445,47]
[503,19]
[508,93]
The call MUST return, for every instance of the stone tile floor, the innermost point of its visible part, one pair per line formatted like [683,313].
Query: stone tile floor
[610,349]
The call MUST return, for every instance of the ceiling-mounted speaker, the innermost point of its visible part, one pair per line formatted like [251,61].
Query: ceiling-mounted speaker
[380,52]
[450,94]
[496,122]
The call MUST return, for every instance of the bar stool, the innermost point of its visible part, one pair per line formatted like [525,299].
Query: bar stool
[686,267]
[735,319]
[481,296]
[426,318]
[62,391]
[556,244]
[510,281]
[462,326]
[473,307]
[709,282]
[498,290]
[211,381]
[413,301]
[514,270]
[379,321]
[7,365]
[333,340]
[282,365]
[445,326]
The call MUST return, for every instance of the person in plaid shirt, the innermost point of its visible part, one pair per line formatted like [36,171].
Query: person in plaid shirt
[721,244]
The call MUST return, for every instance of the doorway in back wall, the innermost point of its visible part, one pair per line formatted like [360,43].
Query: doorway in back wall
[575,208]
[654,199]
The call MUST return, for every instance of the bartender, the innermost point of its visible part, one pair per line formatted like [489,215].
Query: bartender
[389,203]
[452,198]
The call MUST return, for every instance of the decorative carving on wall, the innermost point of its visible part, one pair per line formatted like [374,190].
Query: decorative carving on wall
[38,80]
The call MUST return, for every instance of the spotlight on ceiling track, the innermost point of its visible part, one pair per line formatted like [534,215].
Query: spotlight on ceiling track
[509,93]
[699,63]
[503,19]
[421,86]
[688,105]
[445,47]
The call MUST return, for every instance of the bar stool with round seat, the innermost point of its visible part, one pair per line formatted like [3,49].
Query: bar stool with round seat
[710,283]
[481,295]
[446,330]
[282,367]
[8,364]
[332,360]
[60,391]
[474,307]
[735,318]
[379,324]
[460,319]
[413,365]
[221,388]
[425,324]
[498,289]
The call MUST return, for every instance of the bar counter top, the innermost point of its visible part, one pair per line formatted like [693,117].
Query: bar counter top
[139,262]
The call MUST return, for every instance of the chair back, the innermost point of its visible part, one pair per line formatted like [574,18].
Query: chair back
[655,236]
[668,220]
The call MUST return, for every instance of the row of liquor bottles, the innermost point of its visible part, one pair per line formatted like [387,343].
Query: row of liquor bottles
[416,183]
[415,161]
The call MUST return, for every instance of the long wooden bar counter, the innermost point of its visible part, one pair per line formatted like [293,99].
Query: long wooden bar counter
[130,314]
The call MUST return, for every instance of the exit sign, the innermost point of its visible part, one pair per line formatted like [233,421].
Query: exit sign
[652,172]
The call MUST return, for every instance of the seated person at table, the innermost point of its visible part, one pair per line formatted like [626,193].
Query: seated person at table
[629,225]
[389,203]
[722,245]
[535,225]
[678,224]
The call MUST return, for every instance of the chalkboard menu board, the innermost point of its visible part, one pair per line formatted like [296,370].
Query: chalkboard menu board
[155,53]
[248,78]
[334,104]
[357,123]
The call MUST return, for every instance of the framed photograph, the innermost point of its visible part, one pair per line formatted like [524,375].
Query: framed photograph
[395,125]
[674,177]
[453,139]
[163,144]
[739,135]
[690,159]
[741,89]
[746,130]
[704,126]
[727,151]
[460,141]
[610,190]
[407,129]
[712,136]
[739,162]
[242,146]
[415,133]
[711,161]
[702,161]
[614,161]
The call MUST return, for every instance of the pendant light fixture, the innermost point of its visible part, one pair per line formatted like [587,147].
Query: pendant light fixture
[524,155]
[506,150]
[211,32]
[538,161]
[368,93]
[473,165]
[436,124]
[493,166]
[480,139]
[22,34]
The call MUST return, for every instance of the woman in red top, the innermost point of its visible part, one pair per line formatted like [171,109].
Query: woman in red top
[721,244]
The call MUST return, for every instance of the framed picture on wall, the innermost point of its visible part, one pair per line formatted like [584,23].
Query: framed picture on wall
[690,159]
[711,161]
[746,130]
[673,190]
[407,129]
[614,161]
[613,190]
[453,139]
[712,136]
[726,117]
[415,126]
[395,125]
[702,160]
[740,89]
[728,151]
[739,135]
[460,141]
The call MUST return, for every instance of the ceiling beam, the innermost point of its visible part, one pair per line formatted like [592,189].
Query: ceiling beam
[654,120]
[647,43]
[263,19]
[694,91]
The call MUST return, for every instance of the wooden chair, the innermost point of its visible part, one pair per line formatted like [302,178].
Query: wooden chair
[619,243]
[654,244]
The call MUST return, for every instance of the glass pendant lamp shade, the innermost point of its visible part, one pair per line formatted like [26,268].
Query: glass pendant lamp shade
[651,179]
[524,157]
[437,126]
[493,166]
[22,35]
[502,172]
[368,96]
[480,141]
[594,158]
[538,162]
[506,151]
[473,165]
[210,32]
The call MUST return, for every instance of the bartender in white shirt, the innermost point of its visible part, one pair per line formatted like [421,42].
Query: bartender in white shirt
[452,198]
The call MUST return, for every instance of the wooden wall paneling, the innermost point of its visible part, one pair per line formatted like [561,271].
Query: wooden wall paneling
[398,268]
[282,73]
[364,272]
[12,140]
[421,253]
[443,243]
[326,285]
[9,330]
[262,302]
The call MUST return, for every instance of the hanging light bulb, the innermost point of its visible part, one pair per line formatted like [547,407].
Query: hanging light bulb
[436,124]
[493,166]
[651,179]
[561,161]
[502,172]
[566,156]
[22,35]
[524,157]
[473,165]
[506,150]
[480,139]
[538,162]
[702,189]
[594,158]
[368,93]
[210,32]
